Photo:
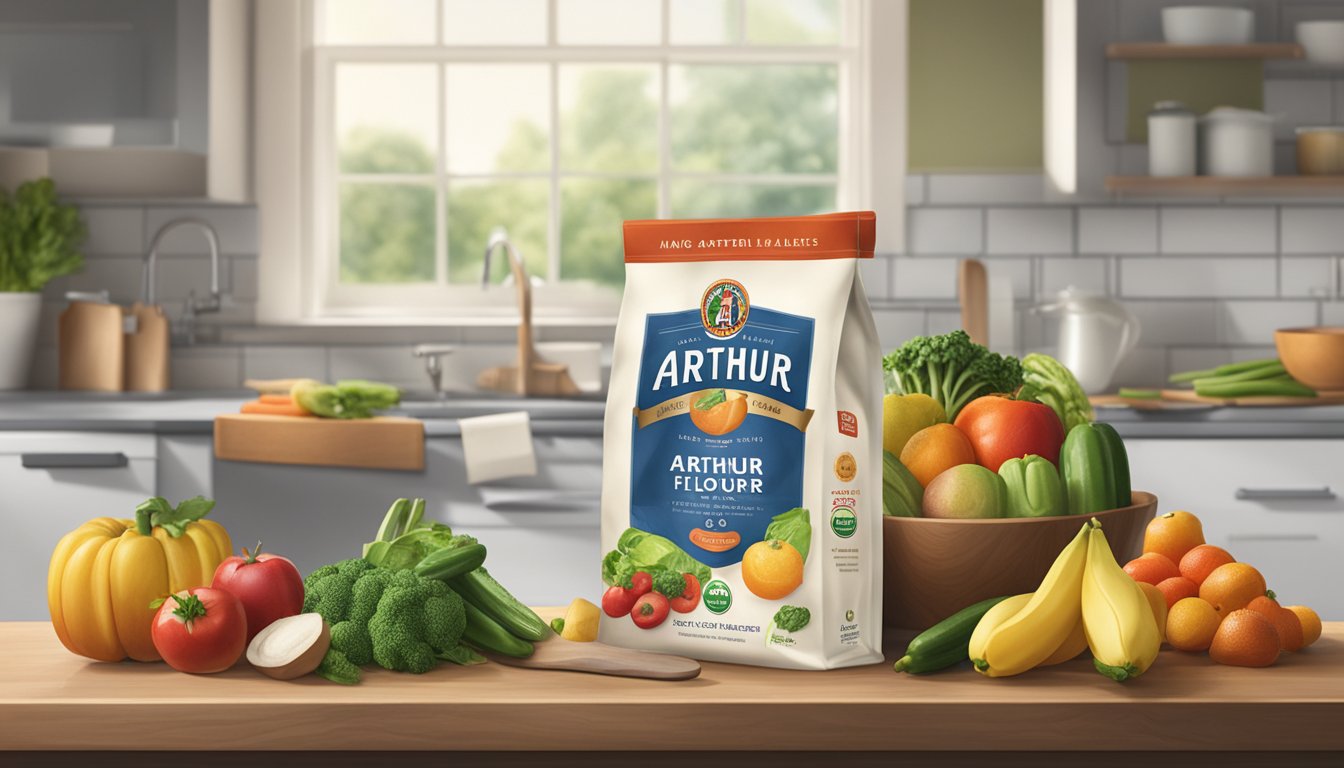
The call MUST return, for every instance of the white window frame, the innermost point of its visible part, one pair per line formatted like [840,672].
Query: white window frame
[298,235]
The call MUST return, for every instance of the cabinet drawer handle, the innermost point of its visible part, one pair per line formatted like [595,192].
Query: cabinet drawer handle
[1286,494]
[1272,537]
[114,460]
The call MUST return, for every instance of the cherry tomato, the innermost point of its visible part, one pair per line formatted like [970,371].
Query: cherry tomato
[641,583]
[617,601]
[690,597]
[269,587]
[200,630]
[650,610]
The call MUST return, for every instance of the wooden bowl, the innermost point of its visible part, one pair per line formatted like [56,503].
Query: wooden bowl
[1314,356]
[932,568]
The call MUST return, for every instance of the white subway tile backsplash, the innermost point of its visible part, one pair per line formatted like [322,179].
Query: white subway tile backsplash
[1088,274]
[876,275]
[179,276]
[1332,313]
[236,226]
[1253,322]
[242,277]
[1181,359]
[1030,231]
[1313,229]
[119,276]
[939,321]
[213,367]
[1166,323]
[394,365]
[914,189]
[1142,367]
[1215,231]
[1142,277]
[1018,271]
[1295,103]
[896,326]
[919,278]
[1246,354]
[285,363]
[1117,230]
[945,231]
[1307,277]
[980,188]
[114,231]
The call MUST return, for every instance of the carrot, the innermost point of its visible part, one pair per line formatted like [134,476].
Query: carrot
[272,409]
[283,399]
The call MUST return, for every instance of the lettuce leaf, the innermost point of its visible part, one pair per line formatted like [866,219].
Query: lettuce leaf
[794,527]
[638,550]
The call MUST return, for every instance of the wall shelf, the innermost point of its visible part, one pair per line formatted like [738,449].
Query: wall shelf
[1171,51]
[1226,186]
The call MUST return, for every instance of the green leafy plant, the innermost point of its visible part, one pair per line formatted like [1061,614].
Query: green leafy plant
[39,237]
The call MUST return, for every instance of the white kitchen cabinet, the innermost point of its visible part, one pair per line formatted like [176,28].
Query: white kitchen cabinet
[50,483]
[1275,504]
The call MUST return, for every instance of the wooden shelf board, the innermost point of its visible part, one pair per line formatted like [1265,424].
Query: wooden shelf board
[1172,51]
[1217,186]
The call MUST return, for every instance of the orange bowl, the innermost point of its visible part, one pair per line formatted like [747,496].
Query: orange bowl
[1314,356]
[932,568]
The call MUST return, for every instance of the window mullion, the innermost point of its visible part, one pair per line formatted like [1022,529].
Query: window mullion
[441,254]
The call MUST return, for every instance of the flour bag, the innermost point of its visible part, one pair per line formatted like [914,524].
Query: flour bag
[742,473]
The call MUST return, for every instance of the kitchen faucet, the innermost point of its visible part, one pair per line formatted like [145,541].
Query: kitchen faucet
[193,306]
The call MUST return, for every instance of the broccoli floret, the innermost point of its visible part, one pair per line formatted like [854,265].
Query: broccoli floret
[952,370]
[792,618]
[338,669]
[669,583]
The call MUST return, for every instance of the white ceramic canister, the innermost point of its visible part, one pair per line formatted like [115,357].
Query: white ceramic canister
[1171,140]
[1236,142]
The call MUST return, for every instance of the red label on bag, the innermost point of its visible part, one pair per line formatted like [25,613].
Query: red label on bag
[849,424]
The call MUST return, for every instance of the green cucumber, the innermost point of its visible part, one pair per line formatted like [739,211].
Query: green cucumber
[1119,463]
[945,643]
[444,564]
[484,633]
[480,589]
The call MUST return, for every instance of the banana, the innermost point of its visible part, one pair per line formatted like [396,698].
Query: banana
[1121,629]
[1073,645]
[1036,631]
[991,621]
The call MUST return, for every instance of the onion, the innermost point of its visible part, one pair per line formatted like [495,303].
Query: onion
[290,647]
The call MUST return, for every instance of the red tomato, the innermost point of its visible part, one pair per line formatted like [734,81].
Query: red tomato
[268,586]
[650,610]
[200,630]
[690,597]
[617,601]
[641,583]
[1001,428]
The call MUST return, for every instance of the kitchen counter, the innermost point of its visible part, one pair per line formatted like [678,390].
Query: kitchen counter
[52,700]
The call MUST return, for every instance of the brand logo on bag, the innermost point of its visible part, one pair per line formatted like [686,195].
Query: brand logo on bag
[718,597]
[723,308]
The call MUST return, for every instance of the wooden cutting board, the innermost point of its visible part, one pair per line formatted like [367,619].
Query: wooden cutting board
[596,658]
[384,442]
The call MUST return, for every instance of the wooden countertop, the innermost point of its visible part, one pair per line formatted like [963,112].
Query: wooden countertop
[52,700]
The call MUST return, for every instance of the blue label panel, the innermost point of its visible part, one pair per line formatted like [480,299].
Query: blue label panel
[721,472]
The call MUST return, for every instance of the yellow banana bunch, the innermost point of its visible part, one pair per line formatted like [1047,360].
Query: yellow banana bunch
[1040,627]
[1121,629]
[1073,645]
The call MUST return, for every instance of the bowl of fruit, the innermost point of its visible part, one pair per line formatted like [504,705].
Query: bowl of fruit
[990,466]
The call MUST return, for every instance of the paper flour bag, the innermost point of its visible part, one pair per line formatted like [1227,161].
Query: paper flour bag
[742,474]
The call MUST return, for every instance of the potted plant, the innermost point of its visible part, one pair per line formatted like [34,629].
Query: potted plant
[39,241]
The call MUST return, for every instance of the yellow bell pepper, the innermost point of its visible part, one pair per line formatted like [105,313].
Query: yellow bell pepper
[581,621]
[105,573]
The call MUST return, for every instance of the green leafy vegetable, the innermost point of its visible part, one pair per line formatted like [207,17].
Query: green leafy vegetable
[951,369]
[792,618]
[1049,382]
[902,495]
[39,237]
[794,527]
[669,584]
[711,399]
[352,399]
[638,550]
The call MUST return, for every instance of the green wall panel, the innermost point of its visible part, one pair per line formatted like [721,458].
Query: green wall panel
[1201,84]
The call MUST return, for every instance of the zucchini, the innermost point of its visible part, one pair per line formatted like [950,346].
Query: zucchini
[480,589]
[485,634]
[444,564]
[945,643]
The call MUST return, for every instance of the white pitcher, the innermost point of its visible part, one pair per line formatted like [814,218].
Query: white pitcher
[1095,334]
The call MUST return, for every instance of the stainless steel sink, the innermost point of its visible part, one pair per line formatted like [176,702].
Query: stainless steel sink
[537,409]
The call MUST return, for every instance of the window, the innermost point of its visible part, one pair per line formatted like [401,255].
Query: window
[434,121]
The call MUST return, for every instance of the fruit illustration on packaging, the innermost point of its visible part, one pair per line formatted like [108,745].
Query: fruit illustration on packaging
[1031,635]
[1191,625]
[1199,562]
[1245,639]
[1151,568]
[1173,534]
[966,491]
[772,569]
[933,450]
[1121,629]
[904,415]
[105,573]
[717,411]
[1177,588]
[1311,623]
[1284,620]
[1230,587]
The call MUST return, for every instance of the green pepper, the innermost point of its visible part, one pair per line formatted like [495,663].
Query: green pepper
[902,495]
[1034,488]
[1095,469]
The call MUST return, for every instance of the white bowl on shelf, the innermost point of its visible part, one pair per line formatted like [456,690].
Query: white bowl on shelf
[1323,41]
[1207,25]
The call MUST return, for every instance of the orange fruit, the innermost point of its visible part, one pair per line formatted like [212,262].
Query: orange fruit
[1230,587]
[772,569]
[1311,623]
[1177,588]
[1284,620]
[1191,625]
[1151,568]
[1158,602]
[1245,639]
[1198,563]
[932,450]
[1173,534]
[721,418]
